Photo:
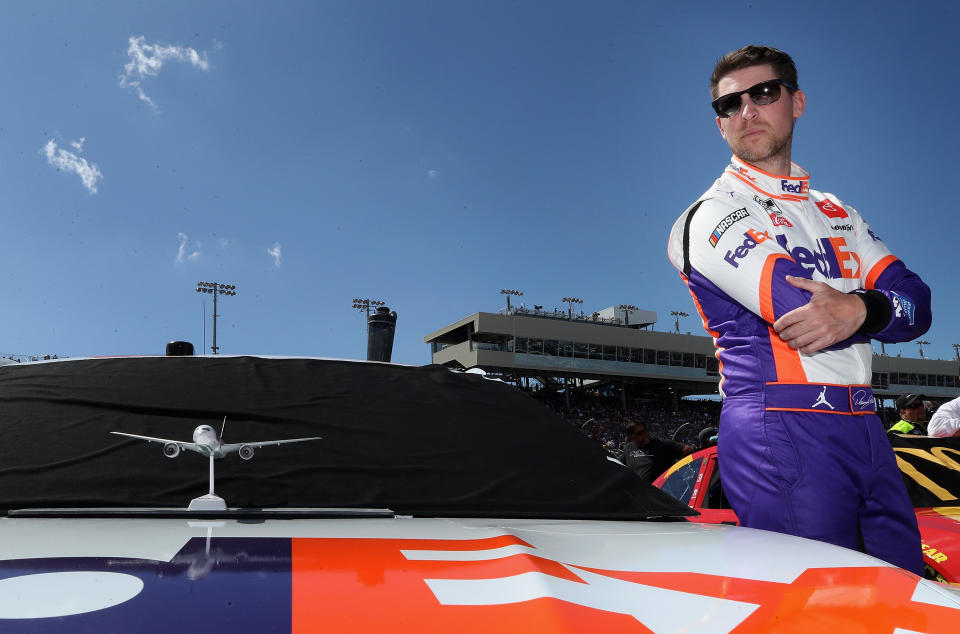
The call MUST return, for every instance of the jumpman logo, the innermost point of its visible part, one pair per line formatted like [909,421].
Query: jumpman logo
[822,399]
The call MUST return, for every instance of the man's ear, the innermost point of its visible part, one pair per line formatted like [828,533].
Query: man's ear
[720,127]
[799,99]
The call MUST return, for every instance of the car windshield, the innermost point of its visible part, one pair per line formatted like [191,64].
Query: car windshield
[417,440]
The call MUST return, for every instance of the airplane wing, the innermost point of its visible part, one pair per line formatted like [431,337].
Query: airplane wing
[231,447]
[190,446]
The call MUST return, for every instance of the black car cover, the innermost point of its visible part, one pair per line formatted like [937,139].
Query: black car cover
[417,440]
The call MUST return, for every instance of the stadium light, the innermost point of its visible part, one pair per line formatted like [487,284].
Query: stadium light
[508,292]
[365,304]
[570,302]
[921,343]
[676,323]
[956,350]
[216,288]
[626,308]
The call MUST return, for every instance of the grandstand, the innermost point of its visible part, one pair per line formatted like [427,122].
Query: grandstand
[618,349]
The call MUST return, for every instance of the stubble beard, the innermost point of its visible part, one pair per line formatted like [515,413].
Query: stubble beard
[777,148]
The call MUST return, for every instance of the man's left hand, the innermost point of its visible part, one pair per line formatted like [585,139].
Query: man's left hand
[830,316]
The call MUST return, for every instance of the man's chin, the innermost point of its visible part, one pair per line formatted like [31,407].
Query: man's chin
[753,154]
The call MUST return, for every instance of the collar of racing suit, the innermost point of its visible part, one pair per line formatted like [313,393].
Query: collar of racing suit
[794,187]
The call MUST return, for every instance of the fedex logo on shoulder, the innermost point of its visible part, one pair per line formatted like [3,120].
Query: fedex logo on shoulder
[831,209]
[794,187]
[753,238]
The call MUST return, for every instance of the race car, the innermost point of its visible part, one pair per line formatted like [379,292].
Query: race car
[931,471]
[426,500]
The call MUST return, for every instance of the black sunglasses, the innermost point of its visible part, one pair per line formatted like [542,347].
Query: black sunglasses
[762,94]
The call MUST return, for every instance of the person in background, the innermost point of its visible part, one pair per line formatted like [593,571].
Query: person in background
[649,457]
[913,416]
[946,420]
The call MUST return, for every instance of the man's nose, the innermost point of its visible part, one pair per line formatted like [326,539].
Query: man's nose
[748,109]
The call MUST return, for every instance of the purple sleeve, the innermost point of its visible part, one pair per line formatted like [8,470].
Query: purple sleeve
[909,299]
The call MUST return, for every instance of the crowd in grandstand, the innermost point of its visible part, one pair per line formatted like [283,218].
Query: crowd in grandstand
[602,417]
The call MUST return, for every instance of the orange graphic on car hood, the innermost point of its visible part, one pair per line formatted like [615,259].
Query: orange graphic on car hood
[500,584]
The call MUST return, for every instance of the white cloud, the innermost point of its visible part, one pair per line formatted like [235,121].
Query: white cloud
[78,145]
[275,253]
[431,173]
[66,161]
[184,253]
[146,60]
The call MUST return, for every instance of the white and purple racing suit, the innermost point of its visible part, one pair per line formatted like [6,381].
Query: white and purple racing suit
[801,449]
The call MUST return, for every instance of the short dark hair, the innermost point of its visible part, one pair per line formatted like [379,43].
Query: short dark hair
[633,426]
[753,55]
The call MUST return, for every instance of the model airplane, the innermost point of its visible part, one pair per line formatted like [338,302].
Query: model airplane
[206,442]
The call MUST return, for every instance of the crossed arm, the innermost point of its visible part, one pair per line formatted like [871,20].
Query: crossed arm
[830,316]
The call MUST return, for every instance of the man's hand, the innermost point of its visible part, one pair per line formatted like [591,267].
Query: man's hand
[830,316]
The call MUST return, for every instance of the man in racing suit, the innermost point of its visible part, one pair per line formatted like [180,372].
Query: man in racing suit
[792,284]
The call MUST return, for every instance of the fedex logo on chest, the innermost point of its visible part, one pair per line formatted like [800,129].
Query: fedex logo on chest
[832,257]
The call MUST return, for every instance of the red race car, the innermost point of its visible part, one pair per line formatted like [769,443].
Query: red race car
[931,471]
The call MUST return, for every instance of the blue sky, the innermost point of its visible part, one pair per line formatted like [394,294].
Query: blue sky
[423,153]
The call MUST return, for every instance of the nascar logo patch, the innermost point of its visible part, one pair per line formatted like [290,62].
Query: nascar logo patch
[726,223]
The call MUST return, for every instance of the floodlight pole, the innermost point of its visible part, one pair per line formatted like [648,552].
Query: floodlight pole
[956,350]
[921,344]
[508,292]
[570,302]
[365,304]
[215,288]
[678,314]
[215,347]
[626,308]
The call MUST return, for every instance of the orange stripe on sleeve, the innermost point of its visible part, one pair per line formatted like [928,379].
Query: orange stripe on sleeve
[878,270]
[714,333]
[766,286]
[785,358]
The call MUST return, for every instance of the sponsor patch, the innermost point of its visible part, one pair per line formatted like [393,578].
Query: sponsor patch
[753,238]
[794,187]
[832,257]
[742,171]
[831,209]
[843,227]
[726,223]
[902,307]
[875,237]
[776,214]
